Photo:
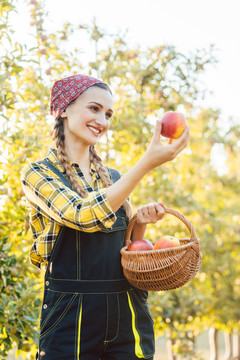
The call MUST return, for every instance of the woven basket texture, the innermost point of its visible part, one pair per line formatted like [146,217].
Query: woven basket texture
[164,269]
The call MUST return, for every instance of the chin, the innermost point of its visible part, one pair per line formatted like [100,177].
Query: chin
[92,142]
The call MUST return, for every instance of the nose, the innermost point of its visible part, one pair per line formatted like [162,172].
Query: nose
[101,119]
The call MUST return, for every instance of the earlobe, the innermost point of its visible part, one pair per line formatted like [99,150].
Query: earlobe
[64,114]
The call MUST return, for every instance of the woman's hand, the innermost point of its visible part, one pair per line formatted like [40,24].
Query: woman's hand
[158,154]
[147,214]
[150,213]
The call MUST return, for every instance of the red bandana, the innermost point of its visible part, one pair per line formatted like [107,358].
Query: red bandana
[68,89]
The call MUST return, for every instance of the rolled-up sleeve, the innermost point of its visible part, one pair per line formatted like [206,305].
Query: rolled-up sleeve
[56,201]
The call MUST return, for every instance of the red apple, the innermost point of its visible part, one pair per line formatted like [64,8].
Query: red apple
[44,38]
[43,51]
[166,242]
[173,124]
[140,245]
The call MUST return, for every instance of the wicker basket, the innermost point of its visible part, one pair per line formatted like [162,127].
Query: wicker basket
[164,269]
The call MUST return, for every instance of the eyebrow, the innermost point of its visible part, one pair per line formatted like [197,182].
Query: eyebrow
[94,102]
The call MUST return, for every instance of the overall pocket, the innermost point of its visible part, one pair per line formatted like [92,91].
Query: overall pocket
[142,325]
[56,305]
[141,297]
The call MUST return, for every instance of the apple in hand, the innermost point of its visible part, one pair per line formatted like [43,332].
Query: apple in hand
[166,242]
[140,245]
[173,124]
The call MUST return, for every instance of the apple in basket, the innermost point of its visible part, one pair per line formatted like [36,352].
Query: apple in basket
[166,242]
[140,245]
[173,124]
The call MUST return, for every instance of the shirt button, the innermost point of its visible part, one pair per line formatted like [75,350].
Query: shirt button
[47,283]
[45,306]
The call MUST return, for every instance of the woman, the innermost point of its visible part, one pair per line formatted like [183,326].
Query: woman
[79,214]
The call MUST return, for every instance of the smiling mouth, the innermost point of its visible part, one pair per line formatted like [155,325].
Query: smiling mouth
[94,130]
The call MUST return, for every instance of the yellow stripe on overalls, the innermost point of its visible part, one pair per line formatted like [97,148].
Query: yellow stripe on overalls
[138,349]
[79,332]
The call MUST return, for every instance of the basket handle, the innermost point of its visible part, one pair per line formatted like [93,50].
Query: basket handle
[189,225]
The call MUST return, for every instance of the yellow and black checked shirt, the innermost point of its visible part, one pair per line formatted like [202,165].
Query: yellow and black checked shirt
[52,205]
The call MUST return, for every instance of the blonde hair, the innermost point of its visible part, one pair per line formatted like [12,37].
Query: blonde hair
[94,159]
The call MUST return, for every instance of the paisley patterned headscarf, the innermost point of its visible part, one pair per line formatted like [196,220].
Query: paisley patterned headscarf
[68,89]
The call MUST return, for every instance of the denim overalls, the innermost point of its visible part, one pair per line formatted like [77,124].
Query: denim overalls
[90,311]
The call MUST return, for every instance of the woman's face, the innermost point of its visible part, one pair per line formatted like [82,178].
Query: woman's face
[88,117]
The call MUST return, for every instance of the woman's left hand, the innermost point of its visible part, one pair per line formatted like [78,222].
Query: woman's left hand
[150,213]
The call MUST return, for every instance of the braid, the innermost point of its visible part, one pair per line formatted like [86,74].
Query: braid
[99,167]
[63,157]
[104,175]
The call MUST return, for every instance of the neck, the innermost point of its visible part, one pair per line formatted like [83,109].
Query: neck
[79,154]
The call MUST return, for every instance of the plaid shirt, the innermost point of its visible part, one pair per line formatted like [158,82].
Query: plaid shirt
[52,205]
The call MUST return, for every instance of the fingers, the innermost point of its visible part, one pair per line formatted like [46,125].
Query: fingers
[150,213]
[184,134]
[142,215]
[152,210]
[157,132]
[184,137]
[159,210]
[182,142]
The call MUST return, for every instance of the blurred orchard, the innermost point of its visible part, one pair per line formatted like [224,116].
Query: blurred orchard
[146,83]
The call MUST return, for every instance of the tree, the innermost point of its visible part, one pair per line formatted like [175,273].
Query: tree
[19,302]
[24,79]
[190,184]
[146,83]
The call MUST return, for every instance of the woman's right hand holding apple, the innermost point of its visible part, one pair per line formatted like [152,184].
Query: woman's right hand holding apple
[158,154]
[155,155]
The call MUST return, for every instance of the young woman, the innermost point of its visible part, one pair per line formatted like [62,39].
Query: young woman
[79,214]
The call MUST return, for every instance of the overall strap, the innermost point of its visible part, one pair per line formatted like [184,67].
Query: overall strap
[114,174]
[57,172]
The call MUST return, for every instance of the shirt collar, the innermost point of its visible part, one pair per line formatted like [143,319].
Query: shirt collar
[52,156]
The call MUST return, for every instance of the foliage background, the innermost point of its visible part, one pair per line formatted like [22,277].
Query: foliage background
[146,83]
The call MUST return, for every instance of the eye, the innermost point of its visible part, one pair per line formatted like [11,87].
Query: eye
[94,108]
[108,115]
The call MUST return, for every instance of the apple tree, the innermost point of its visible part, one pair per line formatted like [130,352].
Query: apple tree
[25,78]
[146,83]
